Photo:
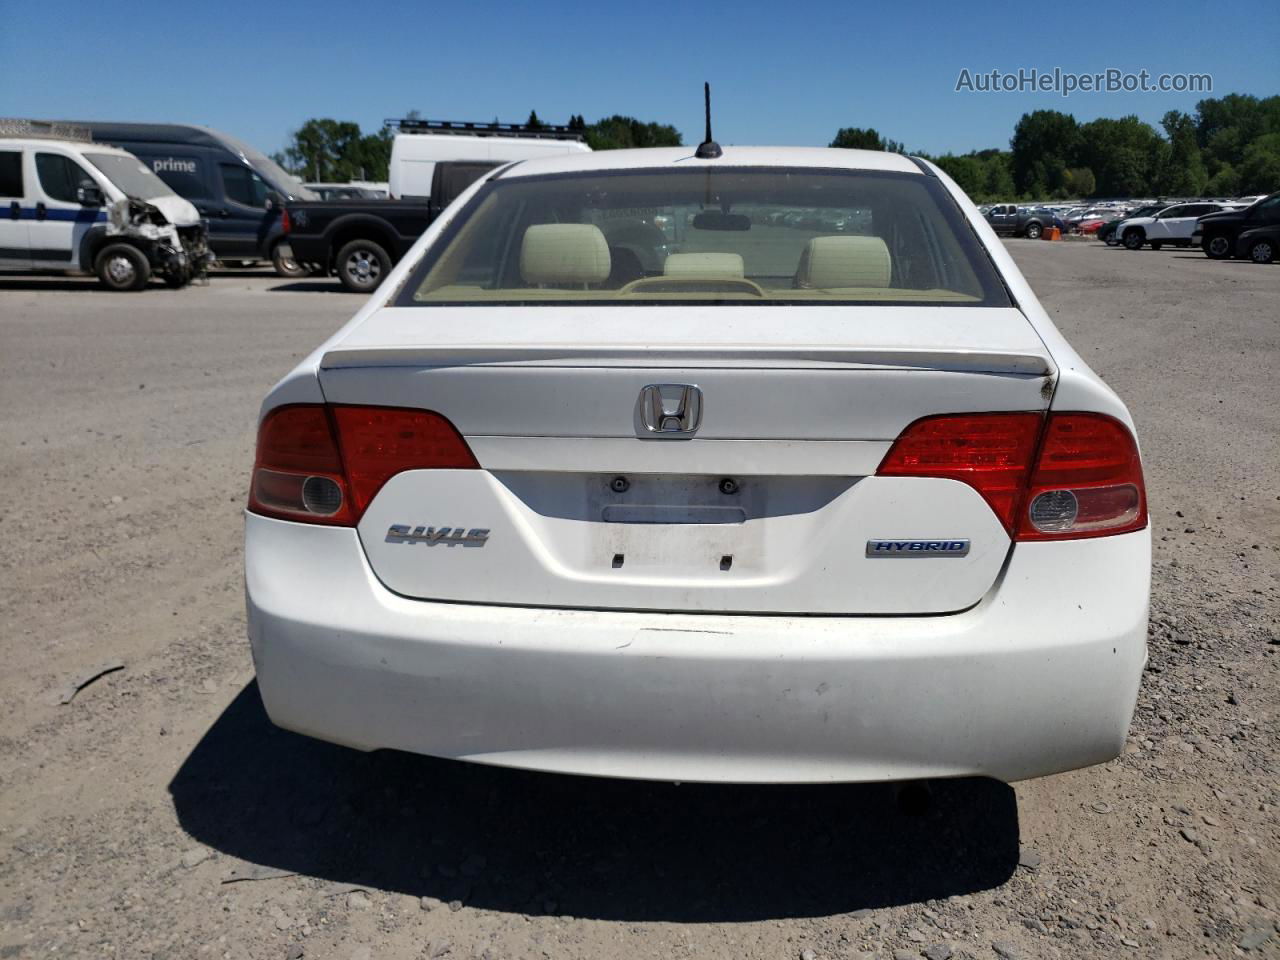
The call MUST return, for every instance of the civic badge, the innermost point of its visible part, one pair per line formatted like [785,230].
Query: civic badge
[432,536]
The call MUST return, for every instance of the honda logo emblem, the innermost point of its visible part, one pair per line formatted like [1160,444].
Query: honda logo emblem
[671,409]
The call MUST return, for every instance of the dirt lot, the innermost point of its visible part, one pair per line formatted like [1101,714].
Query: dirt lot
[159,814]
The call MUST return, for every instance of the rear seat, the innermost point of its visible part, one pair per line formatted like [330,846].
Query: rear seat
[572,255]
[703,265]
[836,263]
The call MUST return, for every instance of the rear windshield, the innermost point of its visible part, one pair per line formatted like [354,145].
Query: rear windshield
[132,177]
[734,235]
[707,236]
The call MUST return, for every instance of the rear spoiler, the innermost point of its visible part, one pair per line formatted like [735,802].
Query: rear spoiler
[641,355]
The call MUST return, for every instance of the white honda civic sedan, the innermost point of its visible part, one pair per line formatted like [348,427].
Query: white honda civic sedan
[766,467]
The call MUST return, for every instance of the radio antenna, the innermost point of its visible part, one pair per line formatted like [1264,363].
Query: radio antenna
[708,149]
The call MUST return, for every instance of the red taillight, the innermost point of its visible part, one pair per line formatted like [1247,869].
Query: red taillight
[379,442]
[992,452]
[1085,480]
[320,464]
[297,474]
[285,223]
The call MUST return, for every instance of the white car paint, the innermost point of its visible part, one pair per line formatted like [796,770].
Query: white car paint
[1018,661]
[1029,682]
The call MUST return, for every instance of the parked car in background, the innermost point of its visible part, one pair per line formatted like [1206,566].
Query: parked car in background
[432,161]
[376,188]
[240,190]
[1107,231]
[1218,233]
[420,144]
[1052,218]
[1087,215]
[360,240]
[543,506]
[73,204]
[1173,225]
[1010,220]
[1259,244]
[1088,227]
[343,191]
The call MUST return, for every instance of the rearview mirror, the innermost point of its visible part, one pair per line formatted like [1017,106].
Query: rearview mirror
[89,195]
[274,200]
[712,220]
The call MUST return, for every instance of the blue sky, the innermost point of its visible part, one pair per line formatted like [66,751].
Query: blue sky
[781,72]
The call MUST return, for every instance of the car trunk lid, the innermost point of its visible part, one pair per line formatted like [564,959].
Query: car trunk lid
[766,505]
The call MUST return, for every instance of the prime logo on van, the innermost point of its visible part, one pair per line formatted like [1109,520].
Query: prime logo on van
[431,536]
[917,548]
[173,165]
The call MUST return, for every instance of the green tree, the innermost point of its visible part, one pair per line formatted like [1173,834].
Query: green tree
[967,172]
[856,138]
[1260,168]
[1080,182]
[374,155]
[336,150]
[998,165]
[982,174]
[619,132]
[1125,155]
[1224,183]
[1226,128]
[533,123]
[1044,143]
[1184,172]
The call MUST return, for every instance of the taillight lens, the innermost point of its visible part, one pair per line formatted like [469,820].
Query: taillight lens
[297,451]
[285,223]
[1061,477]
[992,452]
[1087,481]
[318,464]
[379,442]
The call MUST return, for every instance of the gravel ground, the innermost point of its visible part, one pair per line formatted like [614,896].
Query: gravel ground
[159,814]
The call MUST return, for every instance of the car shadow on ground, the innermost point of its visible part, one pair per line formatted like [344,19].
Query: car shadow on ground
[315,285]
[604,849]
[44,284]
[1235,262]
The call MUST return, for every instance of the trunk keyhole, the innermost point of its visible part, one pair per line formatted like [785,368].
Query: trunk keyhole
[619,485]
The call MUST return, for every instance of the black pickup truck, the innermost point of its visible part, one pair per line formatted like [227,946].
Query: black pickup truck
[1219,233]
[360,240]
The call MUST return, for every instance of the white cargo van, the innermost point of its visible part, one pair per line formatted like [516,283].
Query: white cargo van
[421,144]
[73,204]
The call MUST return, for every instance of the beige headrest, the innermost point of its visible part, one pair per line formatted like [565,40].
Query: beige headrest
[557,254]
[703,265]
[833,262]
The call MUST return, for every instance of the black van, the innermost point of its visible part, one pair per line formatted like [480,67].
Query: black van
[241,191]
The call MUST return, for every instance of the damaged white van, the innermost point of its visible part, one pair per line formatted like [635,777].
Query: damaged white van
[67,203]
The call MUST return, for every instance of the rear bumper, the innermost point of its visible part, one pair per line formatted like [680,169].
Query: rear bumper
[1040,677]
